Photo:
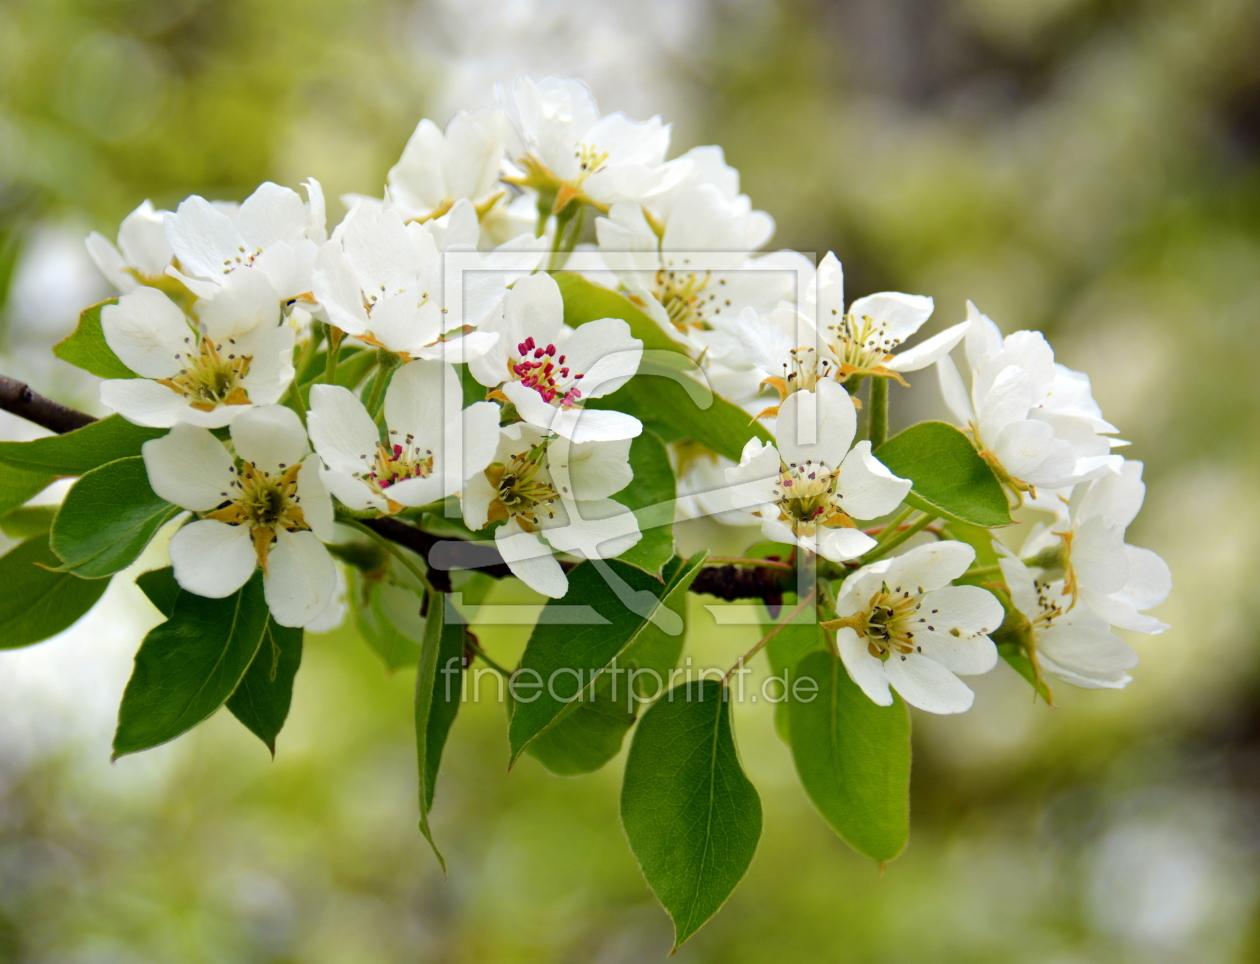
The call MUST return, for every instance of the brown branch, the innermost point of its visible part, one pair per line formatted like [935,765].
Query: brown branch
[18,398]
[440,555]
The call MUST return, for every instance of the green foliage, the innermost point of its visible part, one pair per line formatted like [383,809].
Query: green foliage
[19,485]
[86,347]
[786,649]
[950,479]
[38,601]
[692,817]
[628,621]
[189,665]
[261,700]
[426,682]
[853,758]
[448,681]
[27,520]
[107,519]
[79,451]
[651,496]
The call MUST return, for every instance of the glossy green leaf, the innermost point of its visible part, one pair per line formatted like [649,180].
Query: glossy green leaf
[37,601]
[853,758]
[261,701]
[79,451]
[448,683]
[160,587]
[426,679]
[107,519]
[189,665]
[674,407]
[609,639]
[86,347]
[651,495]
[19,485]
[692,817]
[950,479]
[27,520]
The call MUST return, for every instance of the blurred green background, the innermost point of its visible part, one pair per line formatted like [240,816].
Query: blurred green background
[1088,167]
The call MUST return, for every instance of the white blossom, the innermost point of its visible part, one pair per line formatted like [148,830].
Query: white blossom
[548,370]
[1033,420]
[430,446]
[809,486]
[272,231]
[264,507]
[902,625]
[1072,643]
[204,372]
[564,147]
[552,494]
[142,254]
[439,168]
[796,348]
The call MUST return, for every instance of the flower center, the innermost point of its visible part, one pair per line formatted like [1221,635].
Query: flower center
[520,493]
[682,295]
[211,377]
[590,161]
[861,345]
[889,622]
[543,370]
[263,502]
[396,462]
[242,259]
[806,496]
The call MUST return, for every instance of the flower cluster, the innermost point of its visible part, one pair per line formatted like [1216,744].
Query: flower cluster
[310,378]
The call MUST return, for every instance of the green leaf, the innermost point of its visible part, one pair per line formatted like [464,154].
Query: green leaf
[447,689]
[853,758]
[784,652]
[426,680]
[160,587]
[674,407]
[19,485]
[692,817]
[108,518]
[86,347]
[27,520]
[38,601]
[950,479]
[571,659]
[189,665]
[651,495]
[264,695]
[1018,661]
[79,451]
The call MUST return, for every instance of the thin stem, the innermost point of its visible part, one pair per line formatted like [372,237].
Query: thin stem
[334,350]
[386,363]
[472,644]
[389,547]
[878,418]
[769,636]
[890,530]
[913,529]
[982,571]
[738,561]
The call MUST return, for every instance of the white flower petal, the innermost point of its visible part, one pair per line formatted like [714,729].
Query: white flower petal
[842,544]
[897,315]
[866,489]
[953,391]
[148,332]
[863,668]
[202,237]
[188,467]
[269,436]
[596,529]
[531,560]
[143,402]
[927,352]
[928,567]
[301,578]
[1085,656]
[591,470]
[212,558]
[925,683]
[817,425]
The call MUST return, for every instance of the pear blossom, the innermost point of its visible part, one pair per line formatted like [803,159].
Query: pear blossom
[1072,643]
[431,444]
[381,281]
[272,231]
[142,254]
[797,348]
[439,168]
[1085,547]
[551,493]
[1033,420]
[565,150]
[548,370]
[204,372]
[901,625]
[809,486]
[264,507]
